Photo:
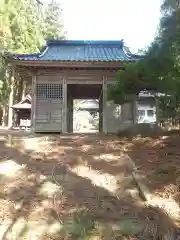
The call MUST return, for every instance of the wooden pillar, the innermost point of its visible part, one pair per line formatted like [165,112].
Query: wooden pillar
[11,98]
[64,120]
[157,109]
[33,103]
[101,113]
[104,104]
[134,110]
[122,113]
[71,114]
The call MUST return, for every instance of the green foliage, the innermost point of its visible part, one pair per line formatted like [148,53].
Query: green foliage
[24,26]
[81,226]
[20,30]
[170,5]
[53,23]
[4,80]
[169,107]
[159,69]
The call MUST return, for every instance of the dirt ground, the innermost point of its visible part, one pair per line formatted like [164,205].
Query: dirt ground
[158,160]
[72,187]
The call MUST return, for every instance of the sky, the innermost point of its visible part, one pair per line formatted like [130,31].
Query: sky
[135,21]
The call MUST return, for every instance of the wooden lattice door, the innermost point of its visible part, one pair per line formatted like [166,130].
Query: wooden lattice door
[49,107]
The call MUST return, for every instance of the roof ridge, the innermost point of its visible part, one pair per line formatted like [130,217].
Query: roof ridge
[85,42]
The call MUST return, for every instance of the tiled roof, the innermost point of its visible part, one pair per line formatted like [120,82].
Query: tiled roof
[25,103]
[89,51]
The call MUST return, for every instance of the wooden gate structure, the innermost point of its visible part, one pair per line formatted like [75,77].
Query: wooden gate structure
[67,69]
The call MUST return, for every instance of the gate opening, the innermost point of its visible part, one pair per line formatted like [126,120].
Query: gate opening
[84,108]
[85,115]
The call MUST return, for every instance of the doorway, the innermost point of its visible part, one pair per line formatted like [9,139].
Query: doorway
[86,115]
[84,108]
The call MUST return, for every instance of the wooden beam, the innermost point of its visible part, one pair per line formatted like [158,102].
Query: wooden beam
[67,64]
[33,104]
[80,82]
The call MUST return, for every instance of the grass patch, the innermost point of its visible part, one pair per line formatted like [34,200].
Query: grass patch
[80,226]
[166,170]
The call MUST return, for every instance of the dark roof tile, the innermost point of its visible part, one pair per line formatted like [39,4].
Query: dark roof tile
[89,51]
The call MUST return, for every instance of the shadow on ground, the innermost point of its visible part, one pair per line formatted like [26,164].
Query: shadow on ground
[53,187]
[158,159]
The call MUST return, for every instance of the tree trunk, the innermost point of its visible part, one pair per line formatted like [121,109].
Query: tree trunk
[24,89]
[11,100]
[4,116]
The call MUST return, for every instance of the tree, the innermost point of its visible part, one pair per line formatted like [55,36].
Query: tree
[24,26]
[170,5]
[52,21]
[158,70]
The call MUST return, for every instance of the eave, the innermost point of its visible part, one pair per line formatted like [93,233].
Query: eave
[71,64]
